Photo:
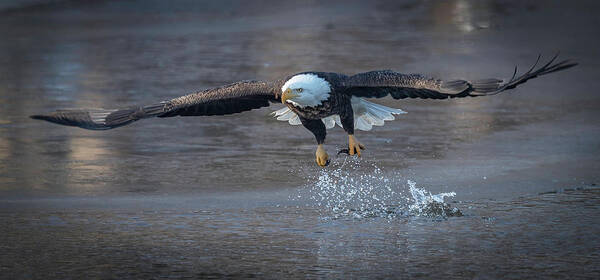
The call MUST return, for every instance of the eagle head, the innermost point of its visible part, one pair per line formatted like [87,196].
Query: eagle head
[305,90]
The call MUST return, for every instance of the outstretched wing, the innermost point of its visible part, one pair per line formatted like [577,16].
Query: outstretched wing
[379,84]
[234,98]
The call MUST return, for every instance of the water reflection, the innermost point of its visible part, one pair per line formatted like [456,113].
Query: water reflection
[464,16]
[5,147]
[86,157]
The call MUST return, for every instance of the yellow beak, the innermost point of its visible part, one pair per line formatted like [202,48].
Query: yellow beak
[288,94]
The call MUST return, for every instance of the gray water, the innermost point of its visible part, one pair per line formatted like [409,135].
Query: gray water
[240,196]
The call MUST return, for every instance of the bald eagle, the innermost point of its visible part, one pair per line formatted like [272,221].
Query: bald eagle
[317,100]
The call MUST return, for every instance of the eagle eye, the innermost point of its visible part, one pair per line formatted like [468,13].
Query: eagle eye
[299,90]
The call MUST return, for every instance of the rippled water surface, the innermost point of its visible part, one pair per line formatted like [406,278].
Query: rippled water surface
[498,187]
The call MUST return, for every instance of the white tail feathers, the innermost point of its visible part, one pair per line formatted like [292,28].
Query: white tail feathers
[366,115]
[331,121]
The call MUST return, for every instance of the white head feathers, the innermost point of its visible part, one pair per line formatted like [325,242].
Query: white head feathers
[314,90]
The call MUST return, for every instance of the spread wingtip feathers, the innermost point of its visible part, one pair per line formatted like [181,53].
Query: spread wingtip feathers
[485,87]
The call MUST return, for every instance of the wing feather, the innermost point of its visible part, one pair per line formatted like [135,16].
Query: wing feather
[230,99]
[377,84]
[234,98]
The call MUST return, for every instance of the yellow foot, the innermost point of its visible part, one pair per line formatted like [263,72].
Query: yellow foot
[354,146]
[322,157]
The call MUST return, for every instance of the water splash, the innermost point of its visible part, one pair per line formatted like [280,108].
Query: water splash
[357,189]
[430,205]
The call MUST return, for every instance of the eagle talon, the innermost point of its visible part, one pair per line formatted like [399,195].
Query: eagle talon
[354,146]
[321,156]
